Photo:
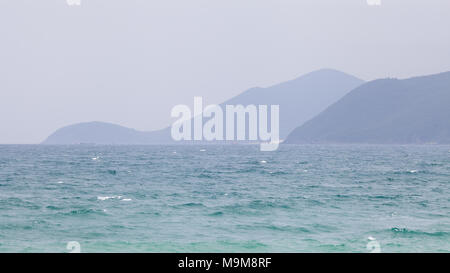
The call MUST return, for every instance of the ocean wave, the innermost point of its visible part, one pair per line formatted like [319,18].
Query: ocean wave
[411,172]
[152,213]
[431,164]
[14,226]
[206,175]
[254,162]
[388,197]
[104,198]
[278,173]
[192,204]
[18,203]
[291,229]
[323,228]
[217,213]
[246,170]
[405,231]
[50,207]
[261,204]
[82,212]
[247,244]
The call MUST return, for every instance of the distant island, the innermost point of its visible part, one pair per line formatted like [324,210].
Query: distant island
[105,134]
[300,100]
[386,111]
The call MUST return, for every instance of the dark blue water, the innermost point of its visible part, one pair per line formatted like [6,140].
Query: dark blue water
[224,198]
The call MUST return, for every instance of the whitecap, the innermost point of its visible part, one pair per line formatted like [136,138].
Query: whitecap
[60,182]
[202,150]
[371,238]
[103,198]
[413,171]
[262,161]
[126,199]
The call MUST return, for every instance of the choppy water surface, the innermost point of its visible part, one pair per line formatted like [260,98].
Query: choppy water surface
[224,198]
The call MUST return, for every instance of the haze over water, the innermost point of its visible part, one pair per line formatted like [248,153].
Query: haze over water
[224,198]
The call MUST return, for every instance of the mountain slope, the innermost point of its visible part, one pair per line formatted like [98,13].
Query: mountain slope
[299,99]
[102,133]
[388,111]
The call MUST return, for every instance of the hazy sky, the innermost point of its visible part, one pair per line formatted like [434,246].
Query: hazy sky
[129,61]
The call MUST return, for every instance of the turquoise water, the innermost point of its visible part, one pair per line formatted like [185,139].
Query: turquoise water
[224,198]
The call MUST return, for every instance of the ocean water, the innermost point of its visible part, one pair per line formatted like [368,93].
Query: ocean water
[232,198]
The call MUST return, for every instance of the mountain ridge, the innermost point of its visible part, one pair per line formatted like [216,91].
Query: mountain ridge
[300,99]
[384,111]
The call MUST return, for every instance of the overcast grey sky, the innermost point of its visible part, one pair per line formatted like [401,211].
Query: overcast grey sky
[130,61]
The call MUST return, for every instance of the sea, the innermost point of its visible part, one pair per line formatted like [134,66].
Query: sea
[225,198]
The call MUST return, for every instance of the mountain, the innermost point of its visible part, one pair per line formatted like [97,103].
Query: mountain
[299,99]
[103,133]
[386,111]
